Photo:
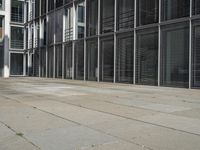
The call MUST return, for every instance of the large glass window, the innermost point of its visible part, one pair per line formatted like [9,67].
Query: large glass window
[175,55]
[51,28]
[68,61]
[196,7]
[81,20]
[196,55]
[92,60]
[50,59]
[147,57]
[2,4]
[92,17]
[17,11]
[50,5]
[107,16]
[1,29]
[17,37]
[43,7]
[43,62]
[58,61]
[124,58]
[59,25]
[68,33]
[16,63]
[1,60]
[36,63]
[37,8]
[79,60]
[172,9]
[125,16]
[59,3]
[147,12]
[107,59]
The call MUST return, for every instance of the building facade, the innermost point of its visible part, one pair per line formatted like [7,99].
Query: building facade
[144,42]
[12,38]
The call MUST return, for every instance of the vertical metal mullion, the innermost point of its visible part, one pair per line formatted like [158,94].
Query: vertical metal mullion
[135,38]
[85,48]
[63,45]
[190,47]
[159,44]
[115,39]
[99,17]
[54,41]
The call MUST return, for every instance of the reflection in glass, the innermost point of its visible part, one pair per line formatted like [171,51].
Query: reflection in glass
[147,57]
[147,12]
[175,56]
[172,9]
[124,58]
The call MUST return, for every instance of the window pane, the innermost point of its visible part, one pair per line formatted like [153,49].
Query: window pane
[36,63]
[17,61]
[125,16]
[172,9]
[107,60]
[196,7]
[147,11]
[59,25]
[17,37]
[175,56]
[51,29]
[68,33]
[43,62]
[147,57]
[58,61]
[107,16]
[196,55]
[50,62]
[79,60]
[68,61]
[92,60]
[92,17]
[17,11]
[124,60]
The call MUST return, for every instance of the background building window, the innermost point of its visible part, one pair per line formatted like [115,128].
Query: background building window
[172,9]
[175,55]
[16,63]
[124,58]
[147,12]
[17,11]
[50,59]
[68,31]
[147,57]
[58,61]
[17,37]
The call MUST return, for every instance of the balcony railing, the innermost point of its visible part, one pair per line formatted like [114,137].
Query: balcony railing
[17,17]
[17,44]
[68,34]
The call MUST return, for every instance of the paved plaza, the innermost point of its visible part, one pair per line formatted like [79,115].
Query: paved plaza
[53,114]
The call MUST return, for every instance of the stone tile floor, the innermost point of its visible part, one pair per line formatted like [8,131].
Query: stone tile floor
[53,114]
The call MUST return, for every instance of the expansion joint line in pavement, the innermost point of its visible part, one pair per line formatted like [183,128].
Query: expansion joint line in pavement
[9,127]
[77,123]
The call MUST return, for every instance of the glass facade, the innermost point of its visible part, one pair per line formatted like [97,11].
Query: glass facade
[147,57]
[147,12]
[196,55]
[175,55]
[124,58]
[145,42]
[16,64]
[172,9]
